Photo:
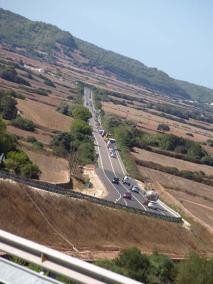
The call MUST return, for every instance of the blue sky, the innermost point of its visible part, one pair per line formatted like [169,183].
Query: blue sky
[175,36]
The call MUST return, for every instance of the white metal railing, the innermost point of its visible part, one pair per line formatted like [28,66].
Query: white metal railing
[59,263]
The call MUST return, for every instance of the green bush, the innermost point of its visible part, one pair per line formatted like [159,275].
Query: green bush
[23,123]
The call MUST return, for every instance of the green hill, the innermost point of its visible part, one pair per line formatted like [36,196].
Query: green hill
[42,40]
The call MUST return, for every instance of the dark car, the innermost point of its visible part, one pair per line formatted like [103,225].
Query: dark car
[127,195]
[115,180]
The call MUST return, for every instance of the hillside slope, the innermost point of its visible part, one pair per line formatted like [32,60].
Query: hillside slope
[62,222]
[43,40]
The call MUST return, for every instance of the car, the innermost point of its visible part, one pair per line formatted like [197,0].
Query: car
[135,189]
[126,180]
[152,205]
[127,195]
[113,155]
[115,180]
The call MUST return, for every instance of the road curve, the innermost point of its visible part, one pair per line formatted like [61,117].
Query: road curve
[108,167]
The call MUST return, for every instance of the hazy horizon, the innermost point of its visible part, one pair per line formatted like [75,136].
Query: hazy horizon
[173,37]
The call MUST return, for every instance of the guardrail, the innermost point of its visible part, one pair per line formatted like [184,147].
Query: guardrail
[60,190]
[59,263]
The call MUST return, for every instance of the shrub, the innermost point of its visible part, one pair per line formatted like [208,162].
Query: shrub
[23,123]
[37,145]
[64,108]
[48,82]
[163,127]
[41,92]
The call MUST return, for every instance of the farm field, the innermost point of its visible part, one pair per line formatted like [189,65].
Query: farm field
[54,169]
[42,136]
[197,198]
[149,121]
[166,161]
[93,230]
[44,115]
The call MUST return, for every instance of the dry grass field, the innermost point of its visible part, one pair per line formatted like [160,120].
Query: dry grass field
[171,162]
[196,197]
[44,115]
[53,169]
[42,136]
[50,219]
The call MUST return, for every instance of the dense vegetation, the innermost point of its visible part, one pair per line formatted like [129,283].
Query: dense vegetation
[160,269]
[8,108]
[17,31]
[153,269]
[16,161]
[42,40]
[79,140]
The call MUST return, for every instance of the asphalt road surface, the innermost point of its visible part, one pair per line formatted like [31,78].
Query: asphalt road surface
[108,167]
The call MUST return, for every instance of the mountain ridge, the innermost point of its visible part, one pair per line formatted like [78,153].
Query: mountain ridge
[18,32]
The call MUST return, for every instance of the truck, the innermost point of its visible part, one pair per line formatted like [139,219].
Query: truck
[152,195]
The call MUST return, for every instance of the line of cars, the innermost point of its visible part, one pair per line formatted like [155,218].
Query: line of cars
[128,181]
[150,197]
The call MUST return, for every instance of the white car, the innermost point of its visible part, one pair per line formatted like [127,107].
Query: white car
[153,205]
[113,154]
[135,189]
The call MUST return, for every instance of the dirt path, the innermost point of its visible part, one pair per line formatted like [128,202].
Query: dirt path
[98,189]
[201,205]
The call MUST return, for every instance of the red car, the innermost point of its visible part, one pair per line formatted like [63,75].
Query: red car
[127,195]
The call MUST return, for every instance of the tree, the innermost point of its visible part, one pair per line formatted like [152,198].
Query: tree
[15,160]
[80,128]
[196,270]
[30,171]
[136,264]
[2,126]
[8,107]
[162,269]
[81,112]
[7,143]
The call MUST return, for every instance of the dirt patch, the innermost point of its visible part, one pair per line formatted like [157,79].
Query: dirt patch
[54,169]
[98,189]
[90,227]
